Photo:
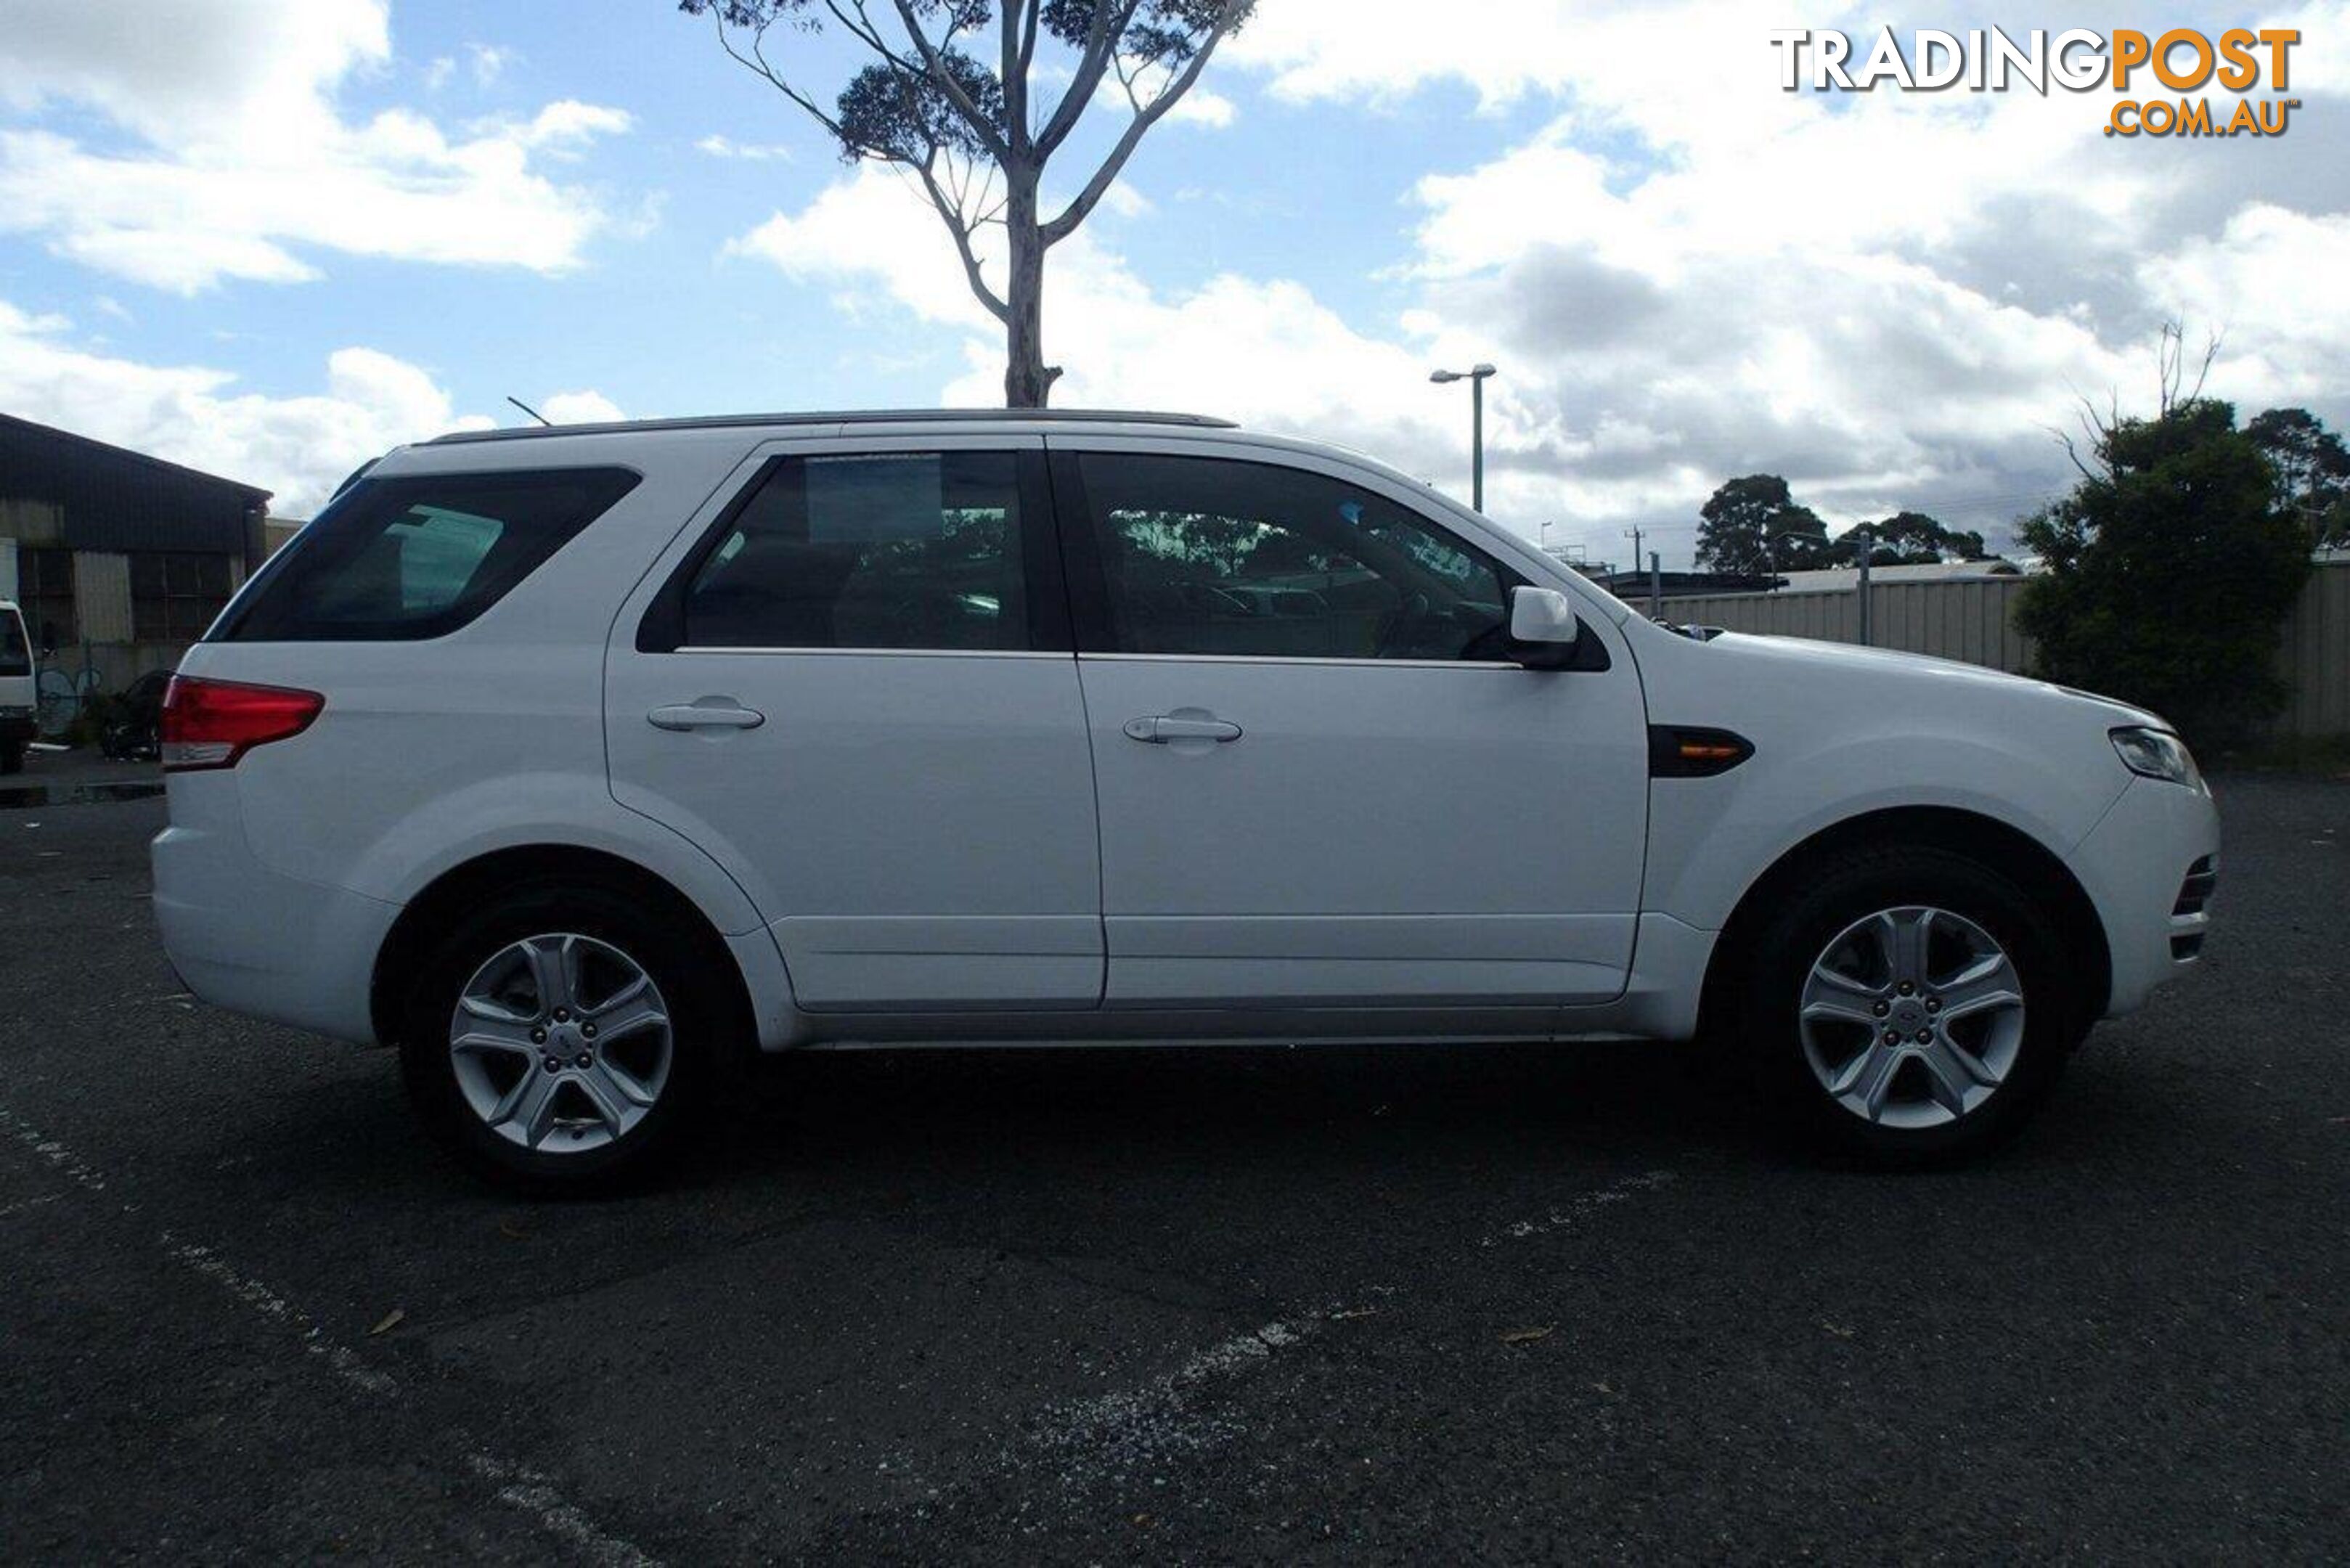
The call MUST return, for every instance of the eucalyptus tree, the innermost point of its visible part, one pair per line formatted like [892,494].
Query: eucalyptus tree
[953,92]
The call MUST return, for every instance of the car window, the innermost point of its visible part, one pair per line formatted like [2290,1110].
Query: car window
[416,557]
[1210,556]
[15,657]
[916,550]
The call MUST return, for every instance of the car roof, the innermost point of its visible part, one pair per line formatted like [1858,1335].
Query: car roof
[1042,417]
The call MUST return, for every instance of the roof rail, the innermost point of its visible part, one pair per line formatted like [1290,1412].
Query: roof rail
[849,417]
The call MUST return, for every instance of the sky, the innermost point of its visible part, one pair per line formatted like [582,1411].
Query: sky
[272,240]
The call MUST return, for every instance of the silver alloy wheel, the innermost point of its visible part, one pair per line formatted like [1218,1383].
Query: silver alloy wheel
[560,1043]
[1912,1017]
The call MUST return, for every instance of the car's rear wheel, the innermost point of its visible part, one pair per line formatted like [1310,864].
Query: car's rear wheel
[1910,1006]
[557,1040]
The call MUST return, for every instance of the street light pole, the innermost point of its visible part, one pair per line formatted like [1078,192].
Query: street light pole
[1475,376]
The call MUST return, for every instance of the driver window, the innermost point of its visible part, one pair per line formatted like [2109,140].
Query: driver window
[1209,557]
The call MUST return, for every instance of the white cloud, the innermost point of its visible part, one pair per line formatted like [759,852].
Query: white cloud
[241,163]
[1201,107]
[870,227]
[489,62]
[1688,274]
[723,147]
[300,446]
[566,125]
[581,408]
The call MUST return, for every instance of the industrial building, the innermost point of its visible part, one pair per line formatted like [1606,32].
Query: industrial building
[119,560]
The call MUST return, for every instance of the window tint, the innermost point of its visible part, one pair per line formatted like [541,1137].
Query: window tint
[406,559]
[894,550]
[1203,556]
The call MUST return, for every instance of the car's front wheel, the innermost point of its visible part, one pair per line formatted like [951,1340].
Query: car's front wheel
[1911,1006]
[558,1041]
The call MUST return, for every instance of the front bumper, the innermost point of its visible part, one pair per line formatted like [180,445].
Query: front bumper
[2158,844]
[17,724]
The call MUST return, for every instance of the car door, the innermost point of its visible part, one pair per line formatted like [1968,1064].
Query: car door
[853,686]
[1323,781]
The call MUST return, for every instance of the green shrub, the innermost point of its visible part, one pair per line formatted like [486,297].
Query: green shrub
[2169,570]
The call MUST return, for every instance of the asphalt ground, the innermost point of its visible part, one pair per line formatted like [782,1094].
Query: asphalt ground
[1330,1304]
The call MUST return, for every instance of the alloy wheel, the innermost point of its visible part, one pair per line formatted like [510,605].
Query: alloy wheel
[1912,1017]
[561,1043]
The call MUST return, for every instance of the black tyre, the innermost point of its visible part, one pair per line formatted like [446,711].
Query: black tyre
[12,756]
[1909,1006]
[564,1039]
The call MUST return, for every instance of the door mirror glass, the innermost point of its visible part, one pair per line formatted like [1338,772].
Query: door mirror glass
[1544,617]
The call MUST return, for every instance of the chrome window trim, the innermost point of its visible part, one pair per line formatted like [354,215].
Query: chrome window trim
[1304,659]
[878,652]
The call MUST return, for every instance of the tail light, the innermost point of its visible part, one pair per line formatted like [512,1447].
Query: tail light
[211,723]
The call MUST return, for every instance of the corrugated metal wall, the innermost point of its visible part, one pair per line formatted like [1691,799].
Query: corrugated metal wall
[2315,655]
[1975,622]
[102,595]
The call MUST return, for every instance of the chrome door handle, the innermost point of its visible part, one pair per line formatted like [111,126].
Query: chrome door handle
[1161,728]
[707,713]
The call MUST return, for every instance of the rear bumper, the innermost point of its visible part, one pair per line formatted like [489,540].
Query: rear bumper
[256,941]
[2134,866]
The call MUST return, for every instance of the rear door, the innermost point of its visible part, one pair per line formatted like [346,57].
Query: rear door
[853,685]
[1324,781]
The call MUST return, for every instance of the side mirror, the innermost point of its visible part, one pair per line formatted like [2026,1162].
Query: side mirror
[1543,630]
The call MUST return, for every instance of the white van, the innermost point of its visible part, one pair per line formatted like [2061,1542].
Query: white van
[16,696]
[572,761]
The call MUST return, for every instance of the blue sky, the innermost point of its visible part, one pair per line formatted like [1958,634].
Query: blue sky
[271,240]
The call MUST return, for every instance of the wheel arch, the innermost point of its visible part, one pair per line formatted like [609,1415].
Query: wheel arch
[471,882]
[2040,872]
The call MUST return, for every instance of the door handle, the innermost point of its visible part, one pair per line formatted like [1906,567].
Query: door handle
[707,713]
[1161,728]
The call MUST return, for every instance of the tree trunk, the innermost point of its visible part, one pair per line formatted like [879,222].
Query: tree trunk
[1027,380]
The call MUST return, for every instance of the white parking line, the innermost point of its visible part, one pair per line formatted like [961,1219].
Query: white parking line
[519,1488]
[279,1309]
[534,1494]
[1575,1210]
[58,1156]
[1087,1440]
[1111,1431]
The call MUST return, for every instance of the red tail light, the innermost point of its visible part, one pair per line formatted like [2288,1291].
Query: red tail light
[211,723]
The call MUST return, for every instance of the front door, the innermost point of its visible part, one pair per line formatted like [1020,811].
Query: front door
[853,687]
[1323,781]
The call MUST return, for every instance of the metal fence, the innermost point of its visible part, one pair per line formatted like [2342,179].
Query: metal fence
[1975,622]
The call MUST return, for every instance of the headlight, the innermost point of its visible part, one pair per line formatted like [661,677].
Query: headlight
[2156,755]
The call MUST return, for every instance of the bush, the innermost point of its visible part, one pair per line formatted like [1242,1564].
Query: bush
[2168,572]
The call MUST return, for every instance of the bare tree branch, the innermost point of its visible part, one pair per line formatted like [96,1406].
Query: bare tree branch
[951,214]
[1061,228]
[756,63]
[1110,24]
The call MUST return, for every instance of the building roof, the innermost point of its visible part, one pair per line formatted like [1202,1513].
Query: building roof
[81,448]
[1829,579]
[848,417]
[116,499]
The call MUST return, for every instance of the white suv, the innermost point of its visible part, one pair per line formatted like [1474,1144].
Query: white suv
[578,763]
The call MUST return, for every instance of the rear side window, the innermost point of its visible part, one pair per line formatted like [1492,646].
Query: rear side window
[400,560]
[898,550]
[16,658]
